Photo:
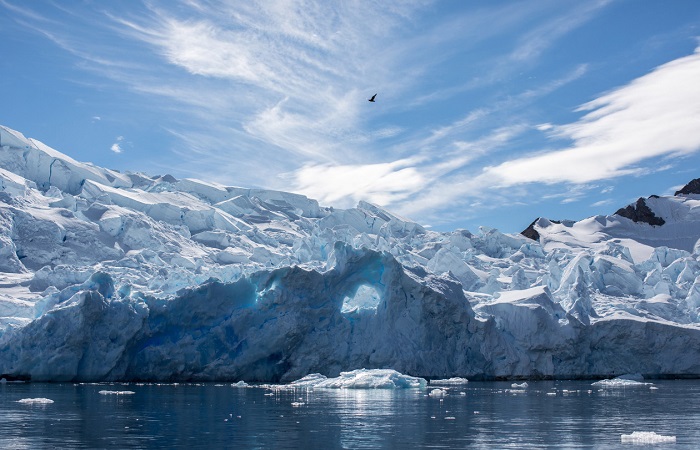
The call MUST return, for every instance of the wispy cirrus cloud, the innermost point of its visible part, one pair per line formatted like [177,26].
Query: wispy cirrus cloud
[273,93]
[537,40]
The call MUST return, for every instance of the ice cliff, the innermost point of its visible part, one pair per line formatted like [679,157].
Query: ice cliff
[112,276]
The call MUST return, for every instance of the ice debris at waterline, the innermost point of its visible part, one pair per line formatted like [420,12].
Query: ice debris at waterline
[646,437]
[123,276]
[622,381]
[107,392]
[454,381]
[35,401]
[362,379]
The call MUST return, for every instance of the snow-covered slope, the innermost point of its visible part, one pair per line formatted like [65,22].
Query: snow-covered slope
[111,276]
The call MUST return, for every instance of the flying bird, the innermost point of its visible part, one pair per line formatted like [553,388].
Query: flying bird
[372,99]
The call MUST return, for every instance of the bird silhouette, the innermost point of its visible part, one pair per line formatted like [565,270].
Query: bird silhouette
[372,99]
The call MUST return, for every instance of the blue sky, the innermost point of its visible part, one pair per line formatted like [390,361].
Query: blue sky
[488,112]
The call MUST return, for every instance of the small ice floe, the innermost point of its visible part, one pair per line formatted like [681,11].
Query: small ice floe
[523,385]
[116,392]
[450,418]
[362,379]
[298,404]
[438,393]
[623,381]
[646,437]
[35,401]
[454,381]
[240,384]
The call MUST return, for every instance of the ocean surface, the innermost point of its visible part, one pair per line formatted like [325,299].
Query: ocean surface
[545,414]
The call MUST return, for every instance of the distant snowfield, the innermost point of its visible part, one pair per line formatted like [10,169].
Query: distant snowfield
[121,276]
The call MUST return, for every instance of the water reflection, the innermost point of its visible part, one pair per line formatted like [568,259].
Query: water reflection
[478,415]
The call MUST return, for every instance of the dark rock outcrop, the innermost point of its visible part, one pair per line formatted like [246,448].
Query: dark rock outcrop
[640,212]
[530,231]
[691,188]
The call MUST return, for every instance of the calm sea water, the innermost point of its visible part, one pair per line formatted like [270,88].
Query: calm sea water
[561,414]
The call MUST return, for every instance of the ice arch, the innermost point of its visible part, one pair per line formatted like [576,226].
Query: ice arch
[365,298]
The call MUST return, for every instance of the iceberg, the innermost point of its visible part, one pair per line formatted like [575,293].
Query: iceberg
[623,381]
[646,437]
[362,379]
[35,401]
[108,276]
[454,381]
[437,393]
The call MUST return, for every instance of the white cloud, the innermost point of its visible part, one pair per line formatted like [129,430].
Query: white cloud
[345,185]
[602,203]
[117,146]
[654,115]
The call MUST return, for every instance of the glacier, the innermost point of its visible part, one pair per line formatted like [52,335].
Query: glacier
[109,276]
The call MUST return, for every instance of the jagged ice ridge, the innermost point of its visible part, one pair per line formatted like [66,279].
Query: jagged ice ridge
[122,276]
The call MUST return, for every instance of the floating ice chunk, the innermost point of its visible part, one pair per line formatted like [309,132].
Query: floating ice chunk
[646,437]
[363,379]
[240,384]
[116,392]
[454,381]
[621,382]
[523,385]
[35,401]
[297,404]
[437,393]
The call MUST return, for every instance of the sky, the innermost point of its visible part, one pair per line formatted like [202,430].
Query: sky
[488,112]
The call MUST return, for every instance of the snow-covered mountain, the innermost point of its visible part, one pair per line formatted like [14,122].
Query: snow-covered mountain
[112,276]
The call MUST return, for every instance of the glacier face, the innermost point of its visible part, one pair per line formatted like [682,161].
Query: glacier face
[111,276]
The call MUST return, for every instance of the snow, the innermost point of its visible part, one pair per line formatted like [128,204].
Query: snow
[108,276]
[646,437]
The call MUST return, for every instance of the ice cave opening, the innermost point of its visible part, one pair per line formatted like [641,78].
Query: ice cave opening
[365,298]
